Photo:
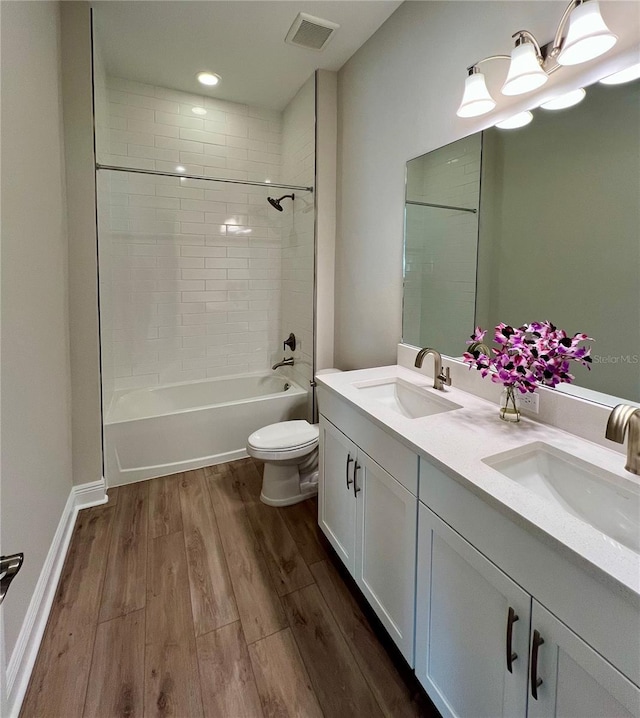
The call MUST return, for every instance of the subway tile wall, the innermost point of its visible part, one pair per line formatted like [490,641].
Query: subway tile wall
[190,271]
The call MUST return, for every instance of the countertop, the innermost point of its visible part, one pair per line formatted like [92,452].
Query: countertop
[458,440]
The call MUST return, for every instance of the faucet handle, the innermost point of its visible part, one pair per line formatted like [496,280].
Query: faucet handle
[445,376]
[290,342]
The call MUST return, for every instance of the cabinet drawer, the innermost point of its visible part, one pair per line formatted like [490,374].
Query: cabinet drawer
[394,457]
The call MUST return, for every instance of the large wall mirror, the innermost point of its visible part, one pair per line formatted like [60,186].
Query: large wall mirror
[540,222]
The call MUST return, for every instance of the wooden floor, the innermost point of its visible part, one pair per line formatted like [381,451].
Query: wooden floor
[186,596]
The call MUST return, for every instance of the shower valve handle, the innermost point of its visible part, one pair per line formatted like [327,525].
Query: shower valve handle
[290,342]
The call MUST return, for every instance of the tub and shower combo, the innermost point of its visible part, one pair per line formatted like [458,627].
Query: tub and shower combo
[164,430]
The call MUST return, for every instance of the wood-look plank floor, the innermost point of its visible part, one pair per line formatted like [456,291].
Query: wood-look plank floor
[185,597]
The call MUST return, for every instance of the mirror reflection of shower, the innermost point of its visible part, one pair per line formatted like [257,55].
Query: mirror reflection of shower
[276,202]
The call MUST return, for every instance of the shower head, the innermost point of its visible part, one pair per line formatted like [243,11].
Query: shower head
[276,202]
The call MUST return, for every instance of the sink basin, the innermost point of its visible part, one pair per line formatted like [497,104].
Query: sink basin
[404,398]
[607,502]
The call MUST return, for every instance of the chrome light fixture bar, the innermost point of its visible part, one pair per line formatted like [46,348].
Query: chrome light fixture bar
[530,65]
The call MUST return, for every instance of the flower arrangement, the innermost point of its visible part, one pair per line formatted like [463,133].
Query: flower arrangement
[536,354]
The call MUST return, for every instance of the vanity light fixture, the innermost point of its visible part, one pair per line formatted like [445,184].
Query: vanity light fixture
[569,99]
[208,78]
[530,64]
[626,75]
[515,121]
[525,70]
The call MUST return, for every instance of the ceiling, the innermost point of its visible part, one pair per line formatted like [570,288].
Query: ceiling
[166,43]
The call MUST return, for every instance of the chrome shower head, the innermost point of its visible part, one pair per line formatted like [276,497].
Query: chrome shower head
[276,202]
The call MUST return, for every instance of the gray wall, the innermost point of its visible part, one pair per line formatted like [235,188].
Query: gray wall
[86,419]
[397,98]
[36,464]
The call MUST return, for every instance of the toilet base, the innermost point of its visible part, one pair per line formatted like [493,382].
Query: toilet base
[282,485]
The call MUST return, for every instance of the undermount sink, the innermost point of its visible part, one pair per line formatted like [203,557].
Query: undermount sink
[404,398]
[605,501]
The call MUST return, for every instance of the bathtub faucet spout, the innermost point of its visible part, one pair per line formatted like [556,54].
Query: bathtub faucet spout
[284,362]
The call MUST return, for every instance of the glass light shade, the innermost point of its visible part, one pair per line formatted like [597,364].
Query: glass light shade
[525,73]
[627,75]
[476,99]
[587,36]
[569,99]
[519,120]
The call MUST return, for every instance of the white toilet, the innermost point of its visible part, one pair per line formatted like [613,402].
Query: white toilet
[289,450]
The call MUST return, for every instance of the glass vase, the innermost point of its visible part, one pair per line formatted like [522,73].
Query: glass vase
[509,405]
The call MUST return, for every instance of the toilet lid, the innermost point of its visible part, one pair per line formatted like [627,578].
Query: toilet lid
[284,435]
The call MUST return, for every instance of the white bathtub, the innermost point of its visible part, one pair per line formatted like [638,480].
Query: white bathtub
[164,430]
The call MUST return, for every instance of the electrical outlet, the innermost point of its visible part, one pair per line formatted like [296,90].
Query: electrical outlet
[530,402]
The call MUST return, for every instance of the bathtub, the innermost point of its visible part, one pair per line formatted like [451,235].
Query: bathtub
[164,430]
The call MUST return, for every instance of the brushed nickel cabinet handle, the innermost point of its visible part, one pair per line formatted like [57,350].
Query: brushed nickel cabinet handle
[536,682]
[511,656]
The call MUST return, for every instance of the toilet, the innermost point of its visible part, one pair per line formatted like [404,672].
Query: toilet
[289,450]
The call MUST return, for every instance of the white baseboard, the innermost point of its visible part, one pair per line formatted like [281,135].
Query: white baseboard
[24,654]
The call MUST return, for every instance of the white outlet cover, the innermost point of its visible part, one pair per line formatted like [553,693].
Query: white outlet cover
[530,402]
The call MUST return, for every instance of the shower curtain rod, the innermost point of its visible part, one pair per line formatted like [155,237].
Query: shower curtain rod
[200,177]
[442,206]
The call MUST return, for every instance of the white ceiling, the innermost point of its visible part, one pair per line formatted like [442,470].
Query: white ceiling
[166,43]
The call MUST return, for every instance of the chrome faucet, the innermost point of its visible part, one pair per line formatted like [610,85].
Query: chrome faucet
[284,362]
[625,418]
[440,378]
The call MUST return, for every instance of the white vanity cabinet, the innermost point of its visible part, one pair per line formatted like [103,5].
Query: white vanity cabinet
[486,648]
[472,627]
[370,520]
[474,658]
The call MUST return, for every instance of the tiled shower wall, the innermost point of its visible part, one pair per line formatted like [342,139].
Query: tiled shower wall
[190,270]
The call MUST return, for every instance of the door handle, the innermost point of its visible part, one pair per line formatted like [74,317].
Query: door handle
[356,489]
[536,682]
[9,567]
[511,656]
[346,471]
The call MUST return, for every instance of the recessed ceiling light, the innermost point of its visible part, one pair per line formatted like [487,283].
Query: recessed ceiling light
[198,111]
[569,99]
[519,120]
[180,168]
[631,73]
[208,78]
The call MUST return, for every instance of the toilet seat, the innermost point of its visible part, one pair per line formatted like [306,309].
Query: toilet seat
[285,436]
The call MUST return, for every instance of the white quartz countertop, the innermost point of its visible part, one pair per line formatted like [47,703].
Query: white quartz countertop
[459,440]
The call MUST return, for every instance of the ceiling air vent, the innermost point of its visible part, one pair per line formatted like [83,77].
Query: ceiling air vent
[311,32]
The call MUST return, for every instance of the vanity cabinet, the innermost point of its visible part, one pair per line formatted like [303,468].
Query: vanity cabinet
[370,520]
[472,627]
[486,647]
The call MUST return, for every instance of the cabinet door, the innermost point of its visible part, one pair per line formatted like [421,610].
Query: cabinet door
[577,682]
[336,500]
[386,550]
[463,627]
